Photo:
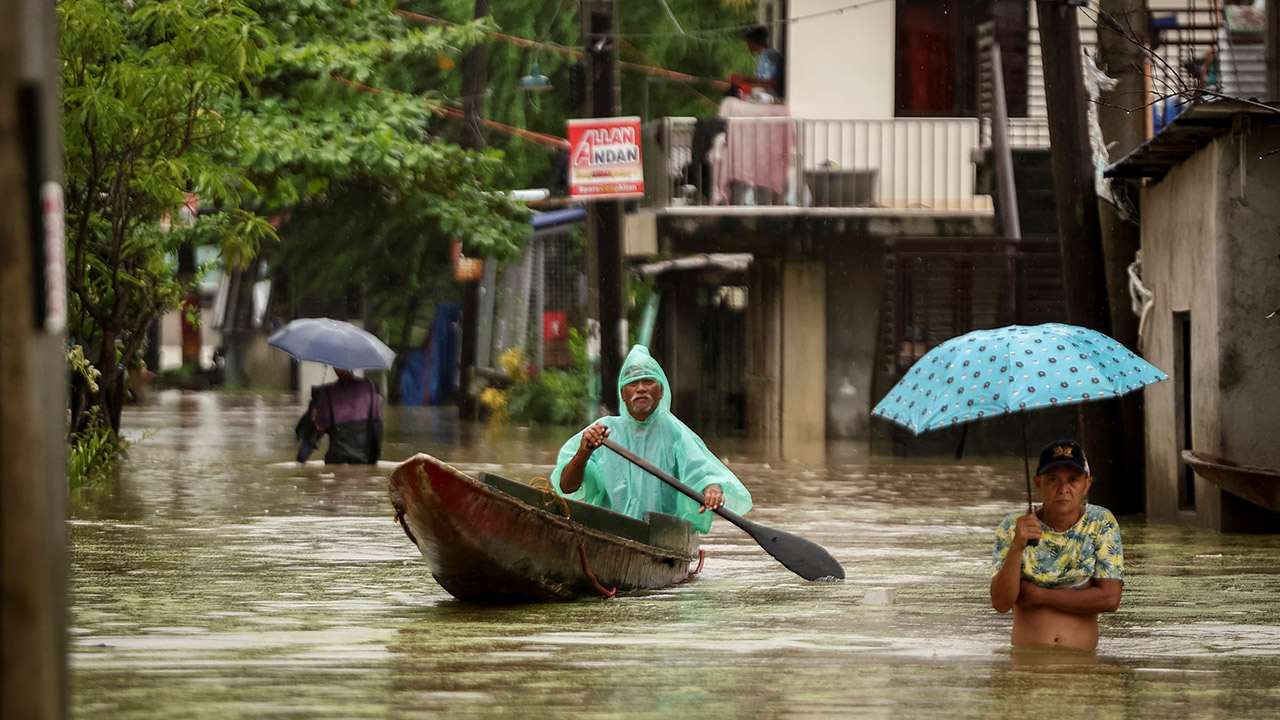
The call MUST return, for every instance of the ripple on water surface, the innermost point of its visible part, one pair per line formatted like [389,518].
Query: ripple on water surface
[214,578]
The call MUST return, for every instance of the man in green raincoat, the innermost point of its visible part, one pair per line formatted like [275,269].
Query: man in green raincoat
[647,428]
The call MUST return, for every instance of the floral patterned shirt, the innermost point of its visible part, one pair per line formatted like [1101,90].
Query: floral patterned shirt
[1089,549]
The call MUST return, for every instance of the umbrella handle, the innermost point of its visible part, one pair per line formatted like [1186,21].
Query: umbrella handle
[1026,466]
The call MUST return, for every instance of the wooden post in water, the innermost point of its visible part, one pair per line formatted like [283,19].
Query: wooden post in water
[1122,115]
[1079,228]
[473,116]
[604,217]
[1272,50]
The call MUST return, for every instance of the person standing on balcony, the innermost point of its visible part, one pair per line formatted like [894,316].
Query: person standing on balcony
[770,73]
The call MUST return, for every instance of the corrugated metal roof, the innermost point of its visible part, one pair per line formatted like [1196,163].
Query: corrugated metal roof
[1195,128]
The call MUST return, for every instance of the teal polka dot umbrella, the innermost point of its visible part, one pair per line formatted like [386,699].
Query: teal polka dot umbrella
[987,373]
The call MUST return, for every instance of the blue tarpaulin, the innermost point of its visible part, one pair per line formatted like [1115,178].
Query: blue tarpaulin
[413,376]
[430,374]
[557,217]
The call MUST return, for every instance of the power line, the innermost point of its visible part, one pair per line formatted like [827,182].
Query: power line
[703,34]
[544,139]
[734,29]
[564,50]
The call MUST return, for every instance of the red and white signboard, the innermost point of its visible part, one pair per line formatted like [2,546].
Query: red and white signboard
[604,158]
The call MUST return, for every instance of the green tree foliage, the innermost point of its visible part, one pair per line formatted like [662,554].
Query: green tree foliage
[346,101]
[552,21]
[710,48]
[148,115]
[315,110]
[346,143]
[354,143]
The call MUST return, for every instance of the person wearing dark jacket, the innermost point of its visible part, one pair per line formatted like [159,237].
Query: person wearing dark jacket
[349,411]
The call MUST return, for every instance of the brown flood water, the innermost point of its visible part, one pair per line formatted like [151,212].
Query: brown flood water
[215,578]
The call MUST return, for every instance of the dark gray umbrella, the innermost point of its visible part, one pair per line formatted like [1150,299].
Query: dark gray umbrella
[333,342]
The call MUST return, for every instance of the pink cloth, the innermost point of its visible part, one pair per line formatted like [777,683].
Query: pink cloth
[353,400]
[755,153]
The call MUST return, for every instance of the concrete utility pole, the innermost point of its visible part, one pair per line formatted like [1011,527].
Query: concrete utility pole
[1273,50]
[1079,230]
[33,395]
[604,217]
[473,117]
[1122,116]
[476,64]
[1072,157]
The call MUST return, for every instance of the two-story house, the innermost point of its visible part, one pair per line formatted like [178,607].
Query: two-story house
[867,199]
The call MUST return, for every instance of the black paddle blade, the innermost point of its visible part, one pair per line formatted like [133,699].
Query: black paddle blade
[803,557]
[807,559]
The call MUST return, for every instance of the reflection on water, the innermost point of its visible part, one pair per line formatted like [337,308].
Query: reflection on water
[216,578]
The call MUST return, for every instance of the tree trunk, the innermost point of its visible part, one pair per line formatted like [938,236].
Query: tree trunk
[112,382]
[1121,56]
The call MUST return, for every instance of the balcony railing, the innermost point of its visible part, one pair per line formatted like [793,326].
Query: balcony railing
[904,165]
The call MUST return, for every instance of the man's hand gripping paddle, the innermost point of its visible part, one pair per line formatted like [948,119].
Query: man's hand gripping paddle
[807,559]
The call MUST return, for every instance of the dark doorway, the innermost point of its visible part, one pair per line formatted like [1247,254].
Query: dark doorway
[1182,404]
[722,366]
[937,55]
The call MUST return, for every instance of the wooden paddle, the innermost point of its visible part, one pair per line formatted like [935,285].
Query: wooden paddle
[807,559]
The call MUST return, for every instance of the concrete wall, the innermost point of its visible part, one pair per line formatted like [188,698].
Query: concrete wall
[855,290]
[1178,261]
[1248,269]
[265,366]
[804,355]
[764,352]
[841,65]
[1210,242]
[786,373]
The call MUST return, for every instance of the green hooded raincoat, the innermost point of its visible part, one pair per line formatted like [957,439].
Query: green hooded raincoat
[612,482]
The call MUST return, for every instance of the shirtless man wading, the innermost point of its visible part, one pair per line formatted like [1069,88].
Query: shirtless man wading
[1057,588]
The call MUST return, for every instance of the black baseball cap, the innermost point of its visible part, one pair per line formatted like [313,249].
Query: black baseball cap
[1062,452]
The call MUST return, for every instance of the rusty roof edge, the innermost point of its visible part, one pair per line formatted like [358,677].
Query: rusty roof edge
[1186,134]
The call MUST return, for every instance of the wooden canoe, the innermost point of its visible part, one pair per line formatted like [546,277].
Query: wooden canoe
[497,540]
[1258,485]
